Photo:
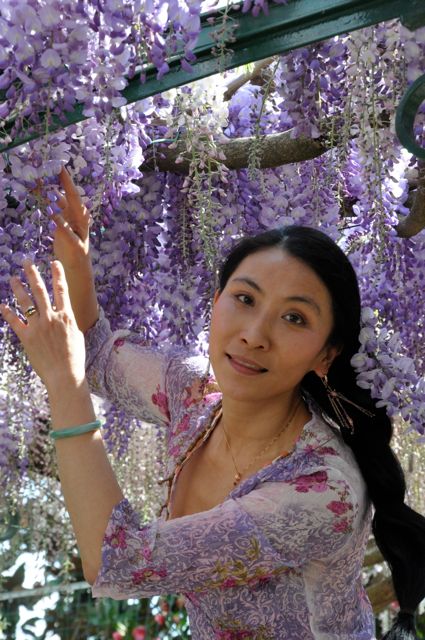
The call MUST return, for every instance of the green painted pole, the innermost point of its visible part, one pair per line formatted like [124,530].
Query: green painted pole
[287,27]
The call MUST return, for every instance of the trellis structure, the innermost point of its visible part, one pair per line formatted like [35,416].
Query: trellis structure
[288,26]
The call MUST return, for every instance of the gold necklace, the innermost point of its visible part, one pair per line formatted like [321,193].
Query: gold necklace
[238,475]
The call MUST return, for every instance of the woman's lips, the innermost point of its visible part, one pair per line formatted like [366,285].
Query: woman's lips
[241,369]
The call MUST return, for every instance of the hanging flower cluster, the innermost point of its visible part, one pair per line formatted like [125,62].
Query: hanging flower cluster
[54,55]
[158,236]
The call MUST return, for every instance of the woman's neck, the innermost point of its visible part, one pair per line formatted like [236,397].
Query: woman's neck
[249,428]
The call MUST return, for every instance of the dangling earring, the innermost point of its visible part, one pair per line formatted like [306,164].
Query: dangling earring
[335,399]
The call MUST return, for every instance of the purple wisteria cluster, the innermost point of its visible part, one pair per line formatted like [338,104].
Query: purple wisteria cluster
[312,84]
[53,55]
[391,269]
[158,236]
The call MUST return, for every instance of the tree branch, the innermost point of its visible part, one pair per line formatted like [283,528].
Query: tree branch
[238,82]
[276,149]
[414,222]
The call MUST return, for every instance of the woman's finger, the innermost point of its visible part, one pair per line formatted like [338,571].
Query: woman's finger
[60,288]
[13,321]
[71,191]
[21,294]
[38,288]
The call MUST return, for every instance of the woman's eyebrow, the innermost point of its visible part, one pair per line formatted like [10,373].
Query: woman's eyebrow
[306,299]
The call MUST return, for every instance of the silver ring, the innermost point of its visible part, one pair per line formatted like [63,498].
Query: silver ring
[30,312]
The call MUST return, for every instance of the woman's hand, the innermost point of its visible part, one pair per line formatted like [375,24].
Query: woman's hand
[51,338]
[71,236]
[71,247]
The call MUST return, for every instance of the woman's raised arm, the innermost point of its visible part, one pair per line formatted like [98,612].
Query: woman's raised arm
[117,370]
[55,347]
[88,482]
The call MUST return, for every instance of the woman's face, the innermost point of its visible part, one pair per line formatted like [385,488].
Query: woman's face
[276,312]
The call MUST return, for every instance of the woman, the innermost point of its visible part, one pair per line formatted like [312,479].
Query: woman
[273,461]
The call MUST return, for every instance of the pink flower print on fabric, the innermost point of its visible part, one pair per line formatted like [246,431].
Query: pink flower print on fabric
[175,450]
[193,393]
[324,451]
[183,425]
[228,583]
[143,574]
[327,451]
[339,507]
[117,539]
[342,526]
[317,481]
[118,343]
[146,553]
[160,400]
[260,580]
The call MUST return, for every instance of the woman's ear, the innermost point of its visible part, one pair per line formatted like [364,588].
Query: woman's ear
[329,355]
[216,296]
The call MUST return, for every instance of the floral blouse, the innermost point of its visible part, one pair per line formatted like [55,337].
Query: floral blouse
[280,559]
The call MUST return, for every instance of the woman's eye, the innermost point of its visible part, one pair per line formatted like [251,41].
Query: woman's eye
[294,318]
[243,295]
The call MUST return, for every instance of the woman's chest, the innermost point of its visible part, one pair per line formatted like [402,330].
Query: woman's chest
[198,486]
[205,481]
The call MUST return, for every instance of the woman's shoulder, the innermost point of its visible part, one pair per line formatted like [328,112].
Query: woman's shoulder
[189,372]
[323,449]
[319,456]
[193,394]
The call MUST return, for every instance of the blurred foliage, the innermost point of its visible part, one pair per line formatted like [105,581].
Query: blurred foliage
[76,615]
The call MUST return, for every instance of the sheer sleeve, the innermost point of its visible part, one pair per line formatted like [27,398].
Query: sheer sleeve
[133,374]
[242,541]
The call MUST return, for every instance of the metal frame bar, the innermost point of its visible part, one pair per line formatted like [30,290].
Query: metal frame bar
[405,117]
[38,592]
[287,27]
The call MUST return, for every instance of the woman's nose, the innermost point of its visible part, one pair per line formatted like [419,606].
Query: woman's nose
[256,334]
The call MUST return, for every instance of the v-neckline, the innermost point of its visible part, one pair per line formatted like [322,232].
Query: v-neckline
[212,422]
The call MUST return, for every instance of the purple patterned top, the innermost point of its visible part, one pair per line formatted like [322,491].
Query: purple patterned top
[280,558]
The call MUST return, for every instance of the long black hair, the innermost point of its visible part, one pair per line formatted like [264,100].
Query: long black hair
[399,531]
